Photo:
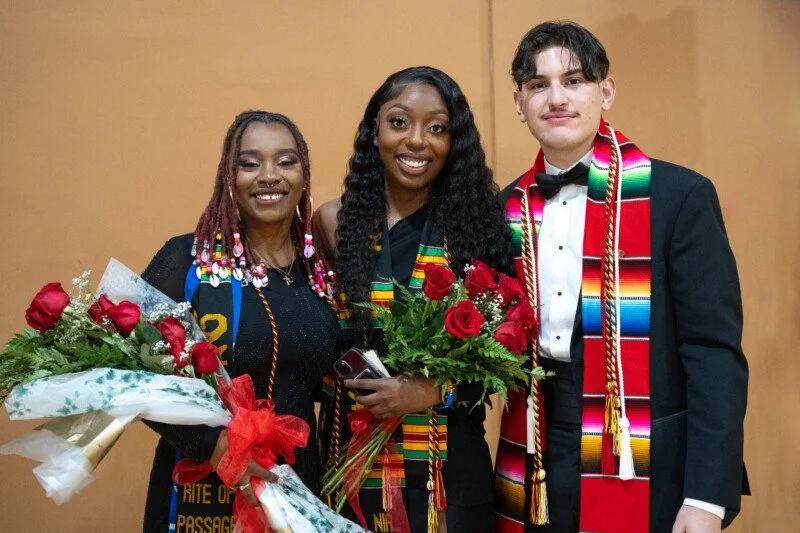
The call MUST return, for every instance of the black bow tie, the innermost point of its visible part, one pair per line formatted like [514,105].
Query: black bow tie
[550,184]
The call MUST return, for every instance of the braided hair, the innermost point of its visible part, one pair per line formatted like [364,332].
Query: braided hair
[220,219]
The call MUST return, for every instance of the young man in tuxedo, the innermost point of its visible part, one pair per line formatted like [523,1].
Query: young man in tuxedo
[627,267]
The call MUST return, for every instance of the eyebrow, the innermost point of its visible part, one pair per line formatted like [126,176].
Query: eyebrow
[570,72]
[282,151]
[407,109]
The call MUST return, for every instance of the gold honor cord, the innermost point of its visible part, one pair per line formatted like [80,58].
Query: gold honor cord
[609,302]
[538,509]
[274,327]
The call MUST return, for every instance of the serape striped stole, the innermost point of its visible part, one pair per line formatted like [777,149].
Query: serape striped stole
[608,503]
[617,243]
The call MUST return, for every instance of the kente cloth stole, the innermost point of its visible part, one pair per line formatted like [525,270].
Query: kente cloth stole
[615,300]
[414,444]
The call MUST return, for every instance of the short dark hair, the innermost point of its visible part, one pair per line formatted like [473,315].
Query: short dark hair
[566,34]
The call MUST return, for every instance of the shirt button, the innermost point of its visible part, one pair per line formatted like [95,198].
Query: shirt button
[560,247]
[559,293]
[564,202]
[558,337]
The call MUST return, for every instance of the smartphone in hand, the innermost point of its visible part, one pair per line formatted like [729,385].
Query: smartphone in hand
[355,364]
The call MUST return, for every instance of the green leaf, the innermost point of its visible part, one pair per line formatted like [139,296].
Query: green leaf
[398,309]
[147,333]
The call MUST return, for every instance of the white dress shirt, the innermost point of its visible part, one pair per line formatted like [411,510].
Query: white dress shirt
[560,263]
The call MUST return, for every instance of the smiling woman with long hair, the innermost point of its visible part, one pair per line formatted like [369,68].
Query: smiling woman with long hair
[417,190]
[248,272]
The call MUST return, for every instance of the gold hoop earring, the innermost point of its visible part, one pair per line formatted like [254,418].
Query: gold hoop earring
[297,208]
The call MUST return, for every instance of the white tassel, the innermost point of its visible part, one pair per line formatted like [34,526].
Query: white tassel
[626,471]
[529,426]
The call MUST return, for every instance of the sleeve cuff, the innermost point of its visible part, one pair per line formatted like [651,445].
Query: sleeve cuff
[210,439]
[714,509]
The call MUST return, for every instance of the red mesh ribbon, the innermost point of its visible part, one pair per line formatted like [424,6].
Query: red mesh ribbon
[187,471]
[250,519]
[362,428]
[393,492]
[256,433]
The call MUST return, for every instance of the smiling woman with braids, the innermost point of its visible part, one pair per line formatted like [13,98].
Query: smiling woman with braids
[248,272]
[417,191]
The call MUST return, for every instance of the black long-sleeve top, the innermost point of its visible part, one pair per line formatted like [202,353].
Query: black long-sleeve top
[307,339]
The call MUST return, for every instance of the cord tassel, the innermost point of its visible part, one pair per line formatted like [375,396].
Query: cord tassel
[610,440]
[626,469]
[433,515]
[530,422]
[539,514]
[437,500]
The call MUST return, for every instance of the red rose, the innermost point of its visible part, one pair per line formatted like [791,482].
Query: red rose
[513,336]
[359,420]
[438,281]
[480,278]
[463,319]
[172,331]
[509,290]
[47,307]
[125,316]
[205,357]
[98,309]
[521,312]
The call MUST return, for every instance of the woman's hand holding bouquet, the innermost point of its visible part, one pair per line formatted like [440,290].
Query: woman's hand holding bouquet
[471,331]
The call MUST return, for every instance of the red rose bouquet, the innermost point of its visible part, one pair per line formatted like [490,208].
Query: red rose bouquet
[94,365]
[460,331]
[79,333]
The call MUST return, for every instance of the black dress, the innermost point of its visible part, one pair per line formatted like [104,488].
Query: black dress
[307,335]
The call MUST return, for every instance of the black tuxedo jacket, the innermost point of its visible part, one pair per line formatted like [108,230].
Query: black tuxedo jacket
[698,372]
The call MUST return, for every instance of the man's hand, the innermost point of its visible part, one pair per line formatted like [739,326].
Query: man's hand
[695,520]
[396,396]
[253,469]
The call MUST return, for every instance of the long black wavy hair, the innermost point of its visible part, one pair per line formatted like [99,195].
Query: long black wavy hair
[464,204]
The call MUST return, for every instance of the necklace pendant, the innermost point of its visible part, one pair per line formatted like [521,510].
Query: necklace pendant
[287,278]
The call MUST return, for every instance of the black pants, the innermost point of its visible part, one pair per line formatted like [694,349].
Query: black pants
[460,519]
[562,460]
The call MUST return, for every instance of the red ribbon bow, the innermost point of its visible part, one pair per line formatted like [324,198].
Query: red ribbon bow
[256,433]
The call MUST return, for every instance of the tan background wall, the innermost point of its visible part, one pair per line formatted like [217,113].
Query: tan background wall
[112,116]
